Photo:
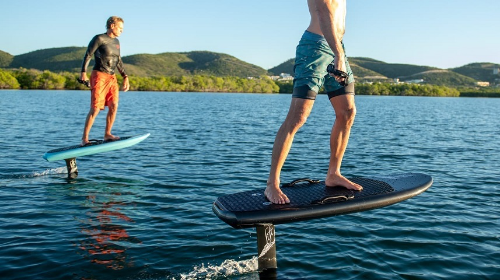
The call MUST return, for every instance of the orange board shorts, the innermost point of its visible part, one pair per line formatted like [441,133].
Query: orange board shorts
[104,89]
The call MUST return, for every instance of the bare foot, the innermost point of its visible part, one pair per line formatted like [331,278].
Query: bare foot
[341,181]
[275,195]
[110,137]
[84,142]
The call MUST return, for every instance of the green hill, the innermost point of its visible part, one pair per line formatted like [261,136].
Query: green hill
[55,59]
[285,67]
[407,72]
[190,63]
[369,70]
[442,78]
[219,64]
[363,73]
[479,71]
[390,70]
[359,72]
[164,64]
[5,59]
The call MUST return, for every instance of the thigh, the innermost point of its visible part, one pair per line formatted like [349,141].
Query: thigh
[343,103]
[98,91]
[300,109]
[112,95]
[342,90]
[311,61]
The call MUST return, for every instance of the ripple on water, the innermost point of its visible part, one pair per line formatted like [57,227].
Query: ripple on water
[145,212]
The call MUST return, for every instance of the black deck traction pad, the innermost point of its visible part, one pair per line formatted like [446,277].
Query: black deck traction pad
[303,195]
[93,143]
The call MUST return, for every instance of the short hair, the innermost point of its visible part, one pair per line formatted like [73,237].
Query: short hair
[112,20]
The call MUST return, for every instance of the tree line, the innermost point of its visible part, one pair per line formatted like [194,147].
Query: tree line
[35,79]
[390,89]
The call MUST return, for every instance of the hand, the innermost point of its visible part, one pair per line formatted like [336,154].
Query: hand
[83,76]
[340,76]
[126,84]
[83,79]
[339,63]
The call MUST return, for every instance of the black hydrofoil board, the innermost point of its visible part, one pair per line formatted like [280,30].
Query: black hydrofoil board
[311,199]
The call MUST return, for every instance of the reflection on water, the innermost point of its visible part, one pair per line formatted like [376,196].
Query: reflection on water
[107,237]
[102,208]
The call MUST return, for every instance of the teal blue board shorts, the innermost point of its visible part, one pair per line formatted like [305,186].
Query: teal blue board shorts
[312,58]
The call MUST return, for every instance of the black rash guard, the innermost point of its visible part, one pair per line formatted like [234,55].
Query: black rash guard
[107,55]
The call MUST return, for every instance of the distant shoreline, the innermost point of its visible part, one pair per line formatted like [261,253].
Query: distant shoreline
[25,79]
[212,64]
[469,94]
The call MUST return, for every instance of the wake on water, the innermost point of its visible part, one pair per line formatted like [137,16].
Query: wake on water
[226,269]
[34,174]
[54,171]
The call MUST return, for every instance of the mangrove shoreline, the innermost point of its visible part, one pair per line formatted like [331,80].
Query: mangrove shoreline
[45,80]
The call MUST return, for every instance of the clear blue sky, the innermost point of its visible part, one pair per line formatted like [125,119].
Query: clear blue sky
[440,33]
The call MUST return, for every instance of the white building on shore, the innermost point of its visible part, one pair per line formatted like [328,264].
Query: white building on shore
[282,77]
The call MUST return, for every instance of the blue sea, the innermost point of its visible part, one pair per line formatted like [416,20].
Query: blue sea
[145,212]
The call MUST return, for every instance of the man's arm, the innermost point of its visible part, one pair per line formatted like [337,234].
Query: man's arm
[93,45]
[331,15]
[121,69]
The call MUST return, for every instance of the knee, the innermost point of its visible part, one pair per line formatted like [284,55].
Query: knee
[347,115]
[113,107]
[295,122]
[93,112]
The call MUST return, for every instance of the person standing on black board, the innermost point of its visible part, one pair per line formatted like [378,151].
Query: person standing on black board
[103,83]
[320,46]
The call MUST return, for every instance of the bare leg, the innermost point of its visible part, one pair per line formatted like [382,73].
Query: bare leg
[297,116]
[89,121]
[345,111]
[110,120]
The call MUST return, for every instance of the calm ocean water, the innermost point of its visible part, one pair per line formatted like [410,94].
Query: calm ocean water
[145,212]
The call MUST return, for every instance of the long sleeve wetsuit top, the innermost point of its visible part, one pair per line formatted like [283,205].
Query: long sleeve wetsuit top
[107,55]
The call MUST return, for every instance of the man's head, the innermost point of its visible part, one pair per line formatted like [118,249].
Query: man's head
[114,25]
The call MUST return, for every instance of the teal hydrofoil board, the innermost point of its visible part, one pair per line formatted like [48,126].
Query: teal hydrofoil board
[69,154]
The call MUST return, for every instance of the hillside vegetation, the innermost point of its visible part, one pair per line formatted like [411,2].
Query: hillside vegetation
[56,68]
[69,59]
[285,67]
[35,79]
[5,59]
[359,71]
[55,59]
[478,71]
[442,78]
[207,63]
[390,70]
[371,70]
